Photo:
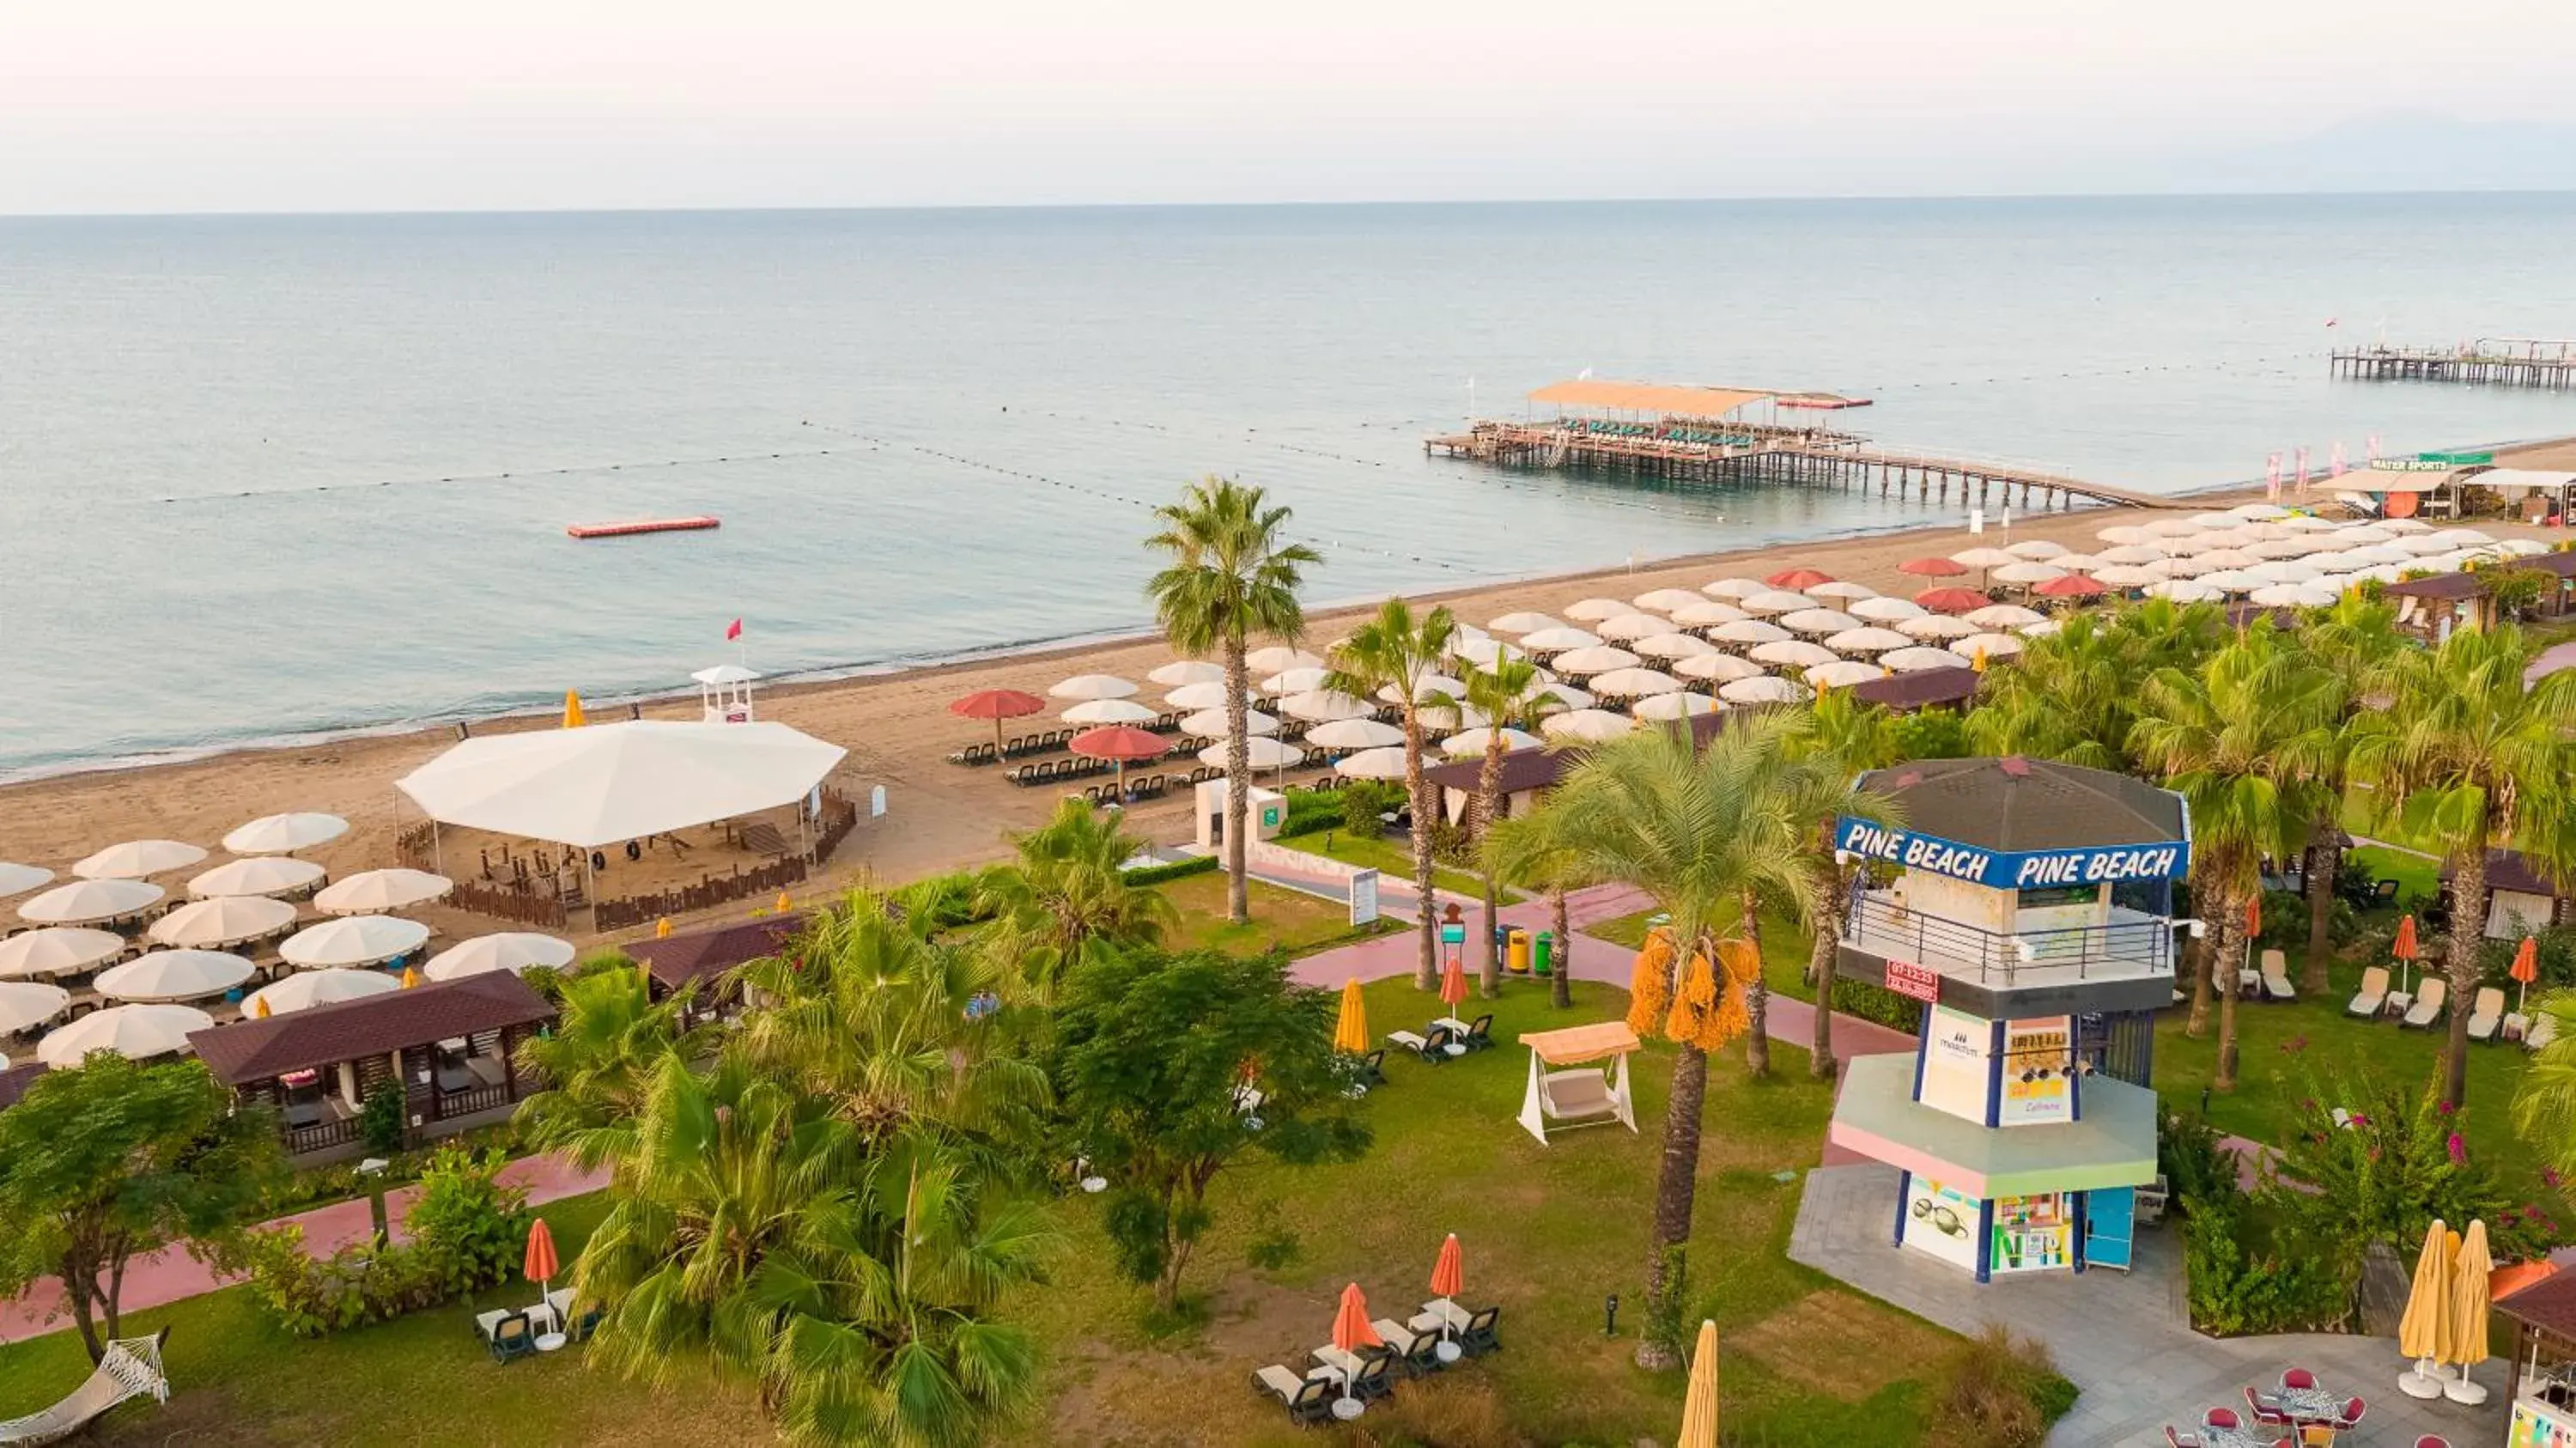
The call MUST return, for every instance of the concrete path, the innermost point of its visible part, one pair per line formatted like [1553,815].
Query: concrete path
[2124,1338]
[171,1274]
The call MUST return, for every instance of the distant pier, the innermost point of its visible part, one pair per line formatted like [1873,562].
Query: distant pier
[2494,361]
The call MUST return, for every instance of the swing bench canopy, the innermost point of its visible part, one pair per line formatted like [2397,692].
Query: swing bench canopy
[1578,1094]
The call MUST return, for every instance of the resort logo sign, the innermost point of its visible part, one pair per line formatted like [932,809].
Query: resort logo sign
[2001,870]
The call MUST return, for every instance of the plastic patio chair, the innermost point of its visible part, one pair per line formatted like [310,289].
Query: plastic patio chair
[2350,1417]
[2295,1378]
[2221,1418]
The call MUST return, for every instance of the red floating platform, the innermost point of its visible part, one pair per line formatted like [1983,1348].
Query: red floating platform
[643,525]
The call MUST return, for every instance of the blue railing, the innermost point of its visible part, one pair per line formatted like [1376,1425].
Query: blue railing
[2124,948]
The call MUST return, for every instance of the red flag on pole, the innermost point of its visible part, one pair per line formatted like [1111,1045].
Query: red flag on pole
[733,630]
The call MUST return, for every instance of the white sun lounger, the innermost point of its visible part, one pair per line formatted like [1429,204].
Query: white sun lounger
[2428,1003]
[2373,995]
[2544,1029]
[2276,977]
[2486,1012]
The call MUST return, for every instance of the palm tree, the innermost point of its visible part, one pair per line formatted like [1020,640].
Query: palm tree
[2353,641]
[1516,849]
[609,1038]
[2544,1103]
[1232,574]
[2244,740]
[1399,652]
[2470,758]
[2072,695]
[1067,894]
[1702,831]
[1506,697]
[1851,737]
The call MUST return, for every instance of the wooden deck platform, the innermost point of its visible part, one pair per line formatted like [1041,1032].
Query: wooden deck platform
[2496,361]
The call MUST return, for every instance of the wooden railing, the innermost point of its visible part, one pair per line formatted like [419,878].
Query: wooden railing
[714,890]
[321,1136]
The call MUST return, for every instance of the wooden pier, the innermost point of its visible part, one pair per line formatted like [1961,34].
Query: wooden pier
[2494,361]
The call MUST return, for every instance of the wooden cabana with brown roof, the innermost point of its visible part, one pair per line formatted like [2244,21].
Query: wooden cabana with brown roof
[452,1047]
[701,958]
[2541,1305]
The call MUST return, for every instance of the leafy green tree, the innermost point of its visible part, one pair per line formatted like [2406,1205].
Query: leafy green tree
[1505,697]
[1710,834]
[2073,695]
[1149,1053]
[2243,740]
[113,1159]
[1851,737]
[2470,757]
[608,1039]
[1067,894]
[1231,574]
[1401,652]
[2353,642]
[2544,1103]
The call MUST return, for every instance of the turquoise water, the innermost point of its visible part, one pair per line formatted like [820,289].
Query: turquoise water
[261,476]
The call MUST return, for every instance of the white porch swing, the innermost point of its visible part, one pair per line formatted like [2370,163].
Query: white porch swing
[1579,1094]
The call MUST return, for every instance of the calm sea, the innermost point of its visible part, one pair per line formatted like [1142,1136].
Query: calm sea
[261,476]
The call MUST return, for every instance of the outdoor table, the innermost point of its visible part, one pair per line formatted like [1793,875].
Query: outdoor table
[1341,1367]
[550,1333]
[2250,1437]
[2310,1405]
[1449,1312]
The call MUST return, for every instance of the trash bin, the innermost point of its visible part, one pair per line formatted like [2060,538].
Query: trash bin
[1518,962]
[1545,960]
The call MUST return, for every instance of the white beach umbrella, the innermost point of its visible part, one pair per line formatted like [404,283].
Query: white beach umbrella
[2185,590]
[1817,622]
[270,875]
[306,989]
[510,950]
[2356,535]
[1840,590]
[1301,680]
[1992,645]
[284,834]
[1774,600]
[1634,683]
[1866,641]
[2122,575]
[1717,668]
[1666,600]
[2157,571]
[1936,626]
[137,858]
[61,950]
[2285,570]
[2233,580]
[2259,510]
[1353,734]
[2132,554]
[2124,534]
[1080,686]
[2293,595]
[1372,764]
[1748,631]
[1187,671]
[1523,622]
[174,975]
[1324,705]
[1664,708]
[1766,690]
[2402,525]
[355,940]
[371,892]
[1586,726]
[2028,573]
[227,920]
[1273,658]
[1735,588]
[1842,674]
[1471,744]
[2042,629]
[1885,610]
[1591,610]
[2421,544]
[1109,711]
[2522,547]
[1259,753]
[89,902]
[2190,567]
[1921,658]
[2076,562]
[2036,549]
[1212,723]
[1673,646]
[2287,547]
[2170,528]
[26,1004]
[2217,520]
[19,879]
[1707,613]
[1598,659]
[2311,523]
[1629,626]
[2376,554]
[1559,694]
[1788,654]
[1558,640]
[2467,537]
[137,1033]
[1427,688]
[2338,561]
[1204,696]
[2004,615]
[1484,653]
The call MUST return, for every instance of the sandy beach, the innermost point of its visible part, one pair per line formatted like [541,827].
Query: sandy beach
[896,727]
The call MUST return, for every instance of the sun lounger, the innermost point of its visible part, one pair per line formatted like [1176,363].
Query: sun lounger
[513,1337]
[2486,1012]
[2276,977]
[1437,1048]
[1483,1333]
[2427,1009]
[1308,1400]
[1418,1350]
[2372,998]
[2543,1030]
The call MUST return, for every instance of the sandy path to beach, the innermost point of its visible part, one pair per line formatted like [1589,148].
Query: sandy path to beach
[896,727]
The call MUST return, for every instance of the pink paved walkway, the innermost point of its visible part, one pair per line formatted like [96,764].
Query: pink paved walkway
[171,1274]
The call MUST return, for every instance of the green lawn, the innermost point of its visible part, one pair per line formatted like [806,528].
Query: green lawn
[1302,923]
[1395,861]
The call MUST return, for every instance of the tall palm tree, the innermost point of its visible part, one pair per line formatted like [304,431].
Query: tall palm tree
[2244,740]
[2072,695]
[1505,697]
[2544,1102]
[1851,737]
[2353,641]
[1067,894]
[1399,652]
[1700,831]
[1232,574]
[609,1038]
[2470,758]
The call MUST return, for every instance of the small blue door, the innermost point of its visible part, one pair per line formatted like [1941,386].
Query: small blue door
[2110,1225]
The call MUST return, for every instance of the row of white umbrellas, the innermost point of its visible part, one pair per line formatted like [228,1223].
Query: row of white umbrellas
[94,901]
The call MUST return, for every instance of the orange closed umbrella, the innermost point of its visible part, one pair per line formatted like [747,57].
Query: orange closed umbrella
[1453,984]
[2406,951]
[2526,969]
[1699,1398]
[2253,917]
[1351,1329]
[540,1265]
[1448,1279]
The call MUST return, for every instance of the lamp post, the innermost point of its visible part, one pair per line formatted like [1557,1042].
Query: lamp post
[373,1169]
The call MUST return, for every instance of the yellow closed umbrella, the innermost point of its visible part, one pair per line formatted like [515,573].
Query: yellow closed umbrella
[410,978]
[2468,1313]
[572,710]
[1351,1032]
[2420,1332]
[1699,1400]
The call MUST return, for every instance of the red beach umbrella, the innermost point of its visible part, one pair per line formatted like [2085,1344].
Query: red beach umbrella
[2253,916]
[540,1264]
[2405,949]
[996,705]
[2069,585]
[1931,568]
[1352,1329]
[1119,742]
[1448,1279]
[1795,578]
[1453,983]
[1952,600]
[2526,969]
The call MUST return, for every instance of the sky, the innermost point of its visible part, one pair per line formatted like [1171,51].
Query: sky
[301,105]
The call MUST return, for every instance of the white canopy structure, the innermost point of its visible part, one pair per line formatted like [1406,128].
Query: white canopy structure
[1635,683]
[225,920]
[1867,640]
[1564,1091]
[85,902]
[1774,600]
[284,834]
[2037,548]
[624,781]
[62,950]
[510,950]
[366,939]
[137,1033]
[1818,622]
[19,879]
[1840,590]
[2004,615]
[258,875]
[137,858]
[1992,645]
[1598,659]
[372,892]
[1427,689]
[306,989]
[1734,588]
[26,1004]
[174,975]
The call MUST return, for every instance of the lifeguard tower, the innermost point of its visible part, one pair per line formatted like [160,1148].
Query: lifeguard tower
[2028,905]
[724,694]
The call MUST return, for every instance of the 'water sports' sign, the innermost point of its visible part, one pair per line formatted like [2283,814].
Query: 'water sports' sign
[2007,870]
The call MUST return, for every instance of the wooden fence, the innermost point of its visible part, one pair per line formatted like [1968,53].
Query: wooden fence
[714,890]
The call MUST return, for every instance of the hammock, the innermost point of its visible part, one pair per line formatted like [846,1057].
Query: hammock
[130,1368]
